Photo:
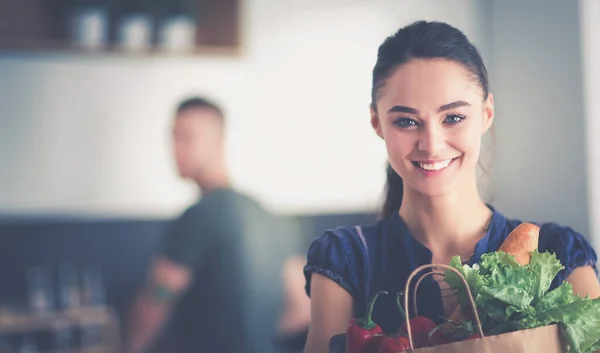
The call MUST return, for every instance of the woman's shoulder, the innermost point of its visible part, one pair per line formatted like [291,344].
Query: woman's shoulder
[571,247]
[349,241]
[350,238]
[342,253]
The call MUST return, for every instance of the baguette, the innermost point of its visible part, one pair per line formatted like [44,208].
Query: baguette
[521,242]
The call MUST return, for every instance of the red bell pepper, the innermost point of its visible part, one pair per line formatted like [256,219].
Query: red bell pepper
[362,334]
[420,326]
[393,344]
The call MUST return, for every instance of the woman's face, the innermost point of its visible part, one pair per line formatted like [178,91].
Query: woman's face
[432,115]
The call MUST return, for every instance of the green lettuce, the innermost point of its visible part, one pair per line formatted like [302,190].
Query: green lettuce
[511,297]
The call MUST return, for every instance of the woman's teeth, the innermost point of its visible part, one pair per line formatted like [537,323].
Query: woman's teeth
[434,166]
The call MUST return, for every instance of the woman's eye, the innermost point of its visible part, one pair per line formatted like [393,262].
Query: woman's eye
[405,123]
[454,119]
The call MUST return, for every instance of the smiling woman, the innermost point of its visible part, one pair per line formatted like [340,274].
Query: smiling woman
[431,106]
[433,115]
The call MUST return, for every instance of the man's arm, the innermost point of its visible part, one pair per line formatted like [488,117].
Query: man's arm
[167,280]
[295,315]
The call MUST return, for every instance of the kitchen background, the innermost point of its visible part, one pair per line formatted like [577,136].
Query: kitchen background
[86,174]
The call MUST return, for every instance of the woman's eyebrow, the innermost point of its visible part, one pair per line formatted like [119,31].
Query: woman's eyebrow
[443,108]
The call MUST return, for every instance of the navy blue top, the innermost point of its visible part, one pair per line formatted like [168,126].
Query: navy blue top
[370,258]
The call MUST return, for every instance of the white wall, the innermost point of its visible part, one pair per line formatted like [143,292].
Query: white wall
[537,80]
[589,11]
[90,133]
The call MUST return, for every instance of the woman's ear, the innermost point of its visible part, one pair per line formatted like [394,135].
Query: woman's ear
[375,122]
[488,113]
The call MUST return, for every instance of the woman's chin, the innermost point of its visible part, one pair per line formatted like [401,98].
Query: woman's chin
[434,191]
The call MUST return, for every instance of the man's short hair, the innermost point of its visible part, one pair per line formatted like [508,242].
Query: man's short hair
[200,103]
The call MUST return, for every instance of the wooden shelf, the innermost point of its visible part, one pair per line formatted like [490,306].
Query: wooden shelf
[103,318]
[33,26]
[50,320]
[56,48]
[98,349]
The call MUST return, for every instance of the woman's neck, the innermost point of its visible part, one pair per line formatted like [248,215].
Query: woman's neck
[448,225]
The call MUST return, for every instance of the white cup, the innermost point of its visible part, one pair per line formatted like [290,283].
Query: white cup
[135,32]
[178,33]
[90,27]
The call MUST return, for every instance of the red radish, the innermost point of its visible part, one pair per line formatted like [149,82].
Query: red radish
[393,344]
[420,326]
[473,337]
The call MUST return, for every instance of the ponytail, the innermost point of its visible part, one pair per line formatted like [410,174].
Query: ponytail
[393,193]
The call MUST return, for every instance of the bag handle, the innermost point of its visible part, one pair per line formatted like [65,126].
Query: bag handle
[437,267]
[414,293]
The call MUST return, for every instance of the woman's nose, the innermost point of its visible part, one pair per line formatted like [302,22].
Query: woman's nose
[432,140]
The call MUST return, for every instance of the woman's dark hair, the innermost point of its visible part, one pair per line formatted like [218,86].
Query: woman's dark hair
[394,189]
[421,40]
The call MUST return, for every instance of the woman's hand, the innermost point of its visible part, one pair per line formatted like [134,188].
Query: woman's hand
[331,308]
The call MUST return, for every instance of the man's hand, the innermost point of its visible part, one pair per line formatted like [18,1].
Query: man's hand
[166,282]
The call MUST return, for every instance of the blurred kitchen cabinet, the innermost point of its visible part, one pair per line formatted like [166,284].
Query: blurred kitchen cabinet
[121,26]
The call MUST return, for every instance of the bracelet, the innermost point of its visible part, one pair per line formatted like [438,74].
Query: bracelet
[162,293]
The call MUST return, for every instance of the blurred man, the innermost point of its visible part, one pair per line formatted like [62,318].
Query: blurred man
[217,276]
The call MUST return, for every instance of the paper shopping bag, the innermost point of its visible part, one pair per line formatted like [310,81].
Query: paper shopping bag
[547,339]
